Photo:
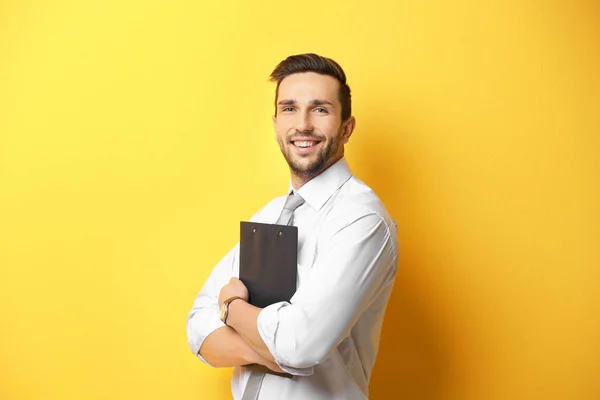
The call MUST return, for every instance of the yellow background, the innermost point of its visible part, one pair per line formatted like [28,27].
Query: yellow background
[134,135]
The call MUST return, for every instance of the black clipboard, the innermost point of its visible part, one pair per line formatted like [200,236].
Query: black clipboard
[268,262]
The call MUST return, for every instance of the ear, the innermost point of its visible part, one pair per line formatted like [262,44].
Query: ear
[347,129]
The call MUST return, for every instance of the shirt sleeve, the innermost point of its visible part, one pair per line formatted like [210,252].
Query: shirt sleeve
[357,261]
[204,317]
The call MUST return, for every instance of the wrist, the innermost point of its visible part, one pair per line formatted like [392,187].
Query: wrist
[225,309]
[233,308]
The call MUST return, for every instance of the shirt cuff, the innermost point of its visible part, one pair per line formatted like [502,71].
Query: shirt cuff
[268,324]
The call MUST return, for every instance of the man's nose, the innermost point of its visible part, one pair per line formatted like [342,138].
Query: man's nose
[304,122]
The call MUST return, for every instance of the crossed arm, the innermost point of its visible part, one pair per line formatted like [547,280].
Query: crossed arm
[357,261]
[224,347]
[212,341]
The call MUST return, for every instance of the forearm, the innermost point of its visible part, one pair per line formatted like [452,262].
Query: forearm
[226,348]
[242,317]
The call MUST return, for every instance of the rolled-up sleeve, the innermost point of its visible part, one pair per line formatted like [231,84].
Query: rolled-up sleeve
[356,262]
[204,317]
[267,323]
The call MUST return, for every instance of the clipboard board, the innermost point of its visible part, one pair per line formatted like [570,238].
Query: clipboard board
[268,262]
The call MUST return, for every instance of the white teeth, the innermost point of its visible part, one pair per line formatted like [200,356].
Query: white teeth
[304,144]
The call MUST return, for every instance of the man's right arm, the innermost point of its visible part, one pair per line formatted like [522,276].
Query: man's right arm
[226,348]
[206,333]
[212,341]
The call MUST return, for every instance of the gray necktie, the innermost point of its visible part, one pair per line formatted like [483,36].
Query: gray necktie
[286,218]
[287,214]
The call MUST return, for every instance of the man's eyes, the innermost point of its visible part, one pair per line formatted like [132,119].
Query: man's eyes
[319,110]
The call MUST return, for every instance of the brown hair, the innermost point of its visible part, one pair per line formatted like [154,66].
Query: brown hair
[311,62]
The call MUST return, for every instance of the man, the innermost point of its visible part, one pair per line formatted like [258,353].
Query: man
[327,336]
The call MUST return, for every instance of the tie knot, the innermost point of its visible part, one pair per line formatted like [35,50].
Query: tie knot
[287,214]
[293,201]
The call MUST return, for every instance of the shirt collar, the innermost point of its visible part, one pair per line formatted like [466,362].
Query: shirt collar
[319,189]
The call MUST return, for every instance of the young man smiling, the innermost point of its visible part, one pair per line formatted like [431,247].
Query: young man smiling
[327,336]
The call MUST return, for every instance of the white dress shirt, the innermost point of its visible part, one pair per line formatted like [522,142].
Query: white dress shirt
[327,336]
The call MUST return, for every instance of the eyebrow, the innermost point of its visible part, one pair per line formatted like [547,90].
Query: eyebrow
[312,102]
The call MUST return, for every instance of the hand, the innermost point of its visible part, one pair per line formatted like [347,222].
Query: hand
[253,358]
[235,287]
[273,366]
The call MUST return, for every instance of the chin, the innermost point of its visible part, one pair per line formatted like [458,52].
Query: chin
[306,167]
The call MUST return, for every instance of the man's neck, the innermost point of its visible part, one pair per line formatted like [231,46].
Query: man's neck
[300,180]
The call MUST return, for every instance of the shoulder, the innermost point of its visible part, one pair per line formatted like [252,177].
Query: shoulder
[357,207]
[269,211]
[356,200]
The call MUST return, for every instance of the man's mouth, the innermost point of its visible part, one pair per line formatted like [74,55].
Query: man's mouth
[305,143]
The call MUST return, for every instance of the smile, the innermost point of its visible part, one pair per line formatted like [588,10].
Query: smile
[304,144]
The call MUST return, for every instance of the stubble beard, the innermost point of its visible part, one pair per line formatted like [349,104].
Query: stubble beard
[320,162]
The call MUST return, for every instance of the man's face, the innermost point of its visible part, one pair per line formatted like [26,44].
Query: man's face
[308,123]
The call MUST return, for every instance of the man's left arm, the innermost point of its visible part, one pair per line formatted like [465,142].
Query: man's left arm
[357,260]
